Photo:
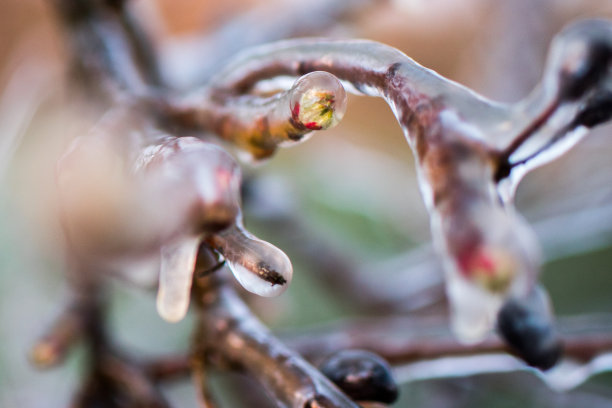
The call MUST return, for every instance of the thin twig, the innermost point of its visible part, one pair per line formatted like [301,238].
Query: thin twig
[53,347]
[406,340]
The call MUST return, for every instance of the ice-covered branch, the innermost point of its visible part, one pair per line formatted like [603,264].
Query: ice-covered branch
[574,95]
[257,124]
[154,194]
[446,125]
[230,335]
[462,143]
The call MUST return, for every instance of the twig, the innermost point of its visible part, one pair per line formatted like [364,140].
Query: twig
[259,124]
[168,368]
[230,335]
[406,340]
[53,347]
[205,398]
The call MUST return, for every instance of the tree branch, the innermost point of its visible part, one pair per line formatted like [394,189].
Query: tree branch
[229,335]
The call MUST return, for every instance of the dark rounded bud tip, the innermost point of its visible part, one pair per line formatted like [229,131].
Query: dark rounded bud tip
[530,334]
[597,109]
[362,375]
[586,57]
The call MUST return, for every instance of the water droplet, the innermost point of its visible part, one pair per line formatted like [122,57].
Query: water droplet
[175,277]
[259,266]
[318,100]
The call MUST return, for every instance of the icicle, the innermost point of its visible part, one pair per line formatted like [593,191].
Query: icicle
[259,266]
[177,265]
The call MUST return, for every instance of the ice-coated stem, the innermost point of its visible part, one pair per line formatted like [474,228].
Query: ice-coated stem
[259,266]
[260,124]
[574,95]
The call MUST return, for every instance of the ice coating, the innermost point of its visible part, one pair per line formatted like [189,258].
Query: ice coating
[503,263]
[177,265]
[259,266]
[318,100]
[473,309]
[489,253]
[258,122]
[471,152]
[202,177]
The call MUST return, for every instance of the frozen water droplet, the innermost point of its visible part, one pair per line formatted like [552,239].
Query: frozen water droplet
[318,100]
[259,266]
[175,278]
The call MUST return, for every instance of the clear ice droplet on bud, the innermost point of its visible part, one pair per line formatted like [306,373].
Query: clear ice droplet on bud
[318,100]
[260,267]
[177,265]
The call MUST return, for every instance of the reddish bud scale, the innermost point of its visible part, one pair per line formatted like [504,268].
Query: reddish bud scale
[313,126]
[491,268]
[296,111]
[478,260]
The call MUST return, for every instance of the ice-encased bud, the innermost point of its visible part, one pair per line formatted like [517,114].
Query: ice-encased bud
[318,100]
[478,285]
[502,262]
[175,277]
[492,268]
[259,266]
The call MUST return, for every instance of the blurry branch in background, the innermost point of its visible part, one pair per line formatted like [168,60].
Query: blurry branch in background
[423,348]
[421,342]
[175,201]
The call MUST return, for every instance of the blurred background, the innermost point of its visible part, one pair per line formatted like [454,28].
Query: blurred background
[354,186]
